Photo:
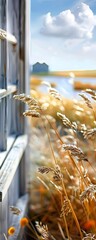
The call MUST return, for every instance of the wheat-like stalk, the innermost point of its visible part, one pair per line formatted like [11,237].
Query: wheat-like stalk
[89,133]
[43,230]
[57,175]
[32,113]
[65,208]
[65,120]
[89,236]
[53,92]
[91,92]
[88,192]
[67,181]
[87,100]
[75,151]
[44,169]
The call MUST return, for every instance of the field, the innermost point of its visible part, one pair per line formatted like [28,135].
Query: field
[62,186]
[81,73]
[76,73]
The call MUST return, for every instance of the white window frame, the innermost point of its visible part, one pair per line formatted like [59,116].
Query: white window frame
[13,138]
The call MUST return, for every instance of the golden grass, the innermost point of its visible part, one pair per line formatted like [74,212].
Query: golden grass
[68,107]
[70,73]
[78,85]
[81,73]
[63,198]
[35,81]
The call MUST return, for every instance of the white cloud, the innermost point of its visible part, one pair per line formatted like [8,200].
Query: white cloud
[70,25]
[60,55]
[90,51]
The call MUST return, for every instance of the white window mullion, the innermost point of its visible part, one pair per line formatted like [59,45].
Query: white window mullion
[3,126]
[3,79]
[13,77]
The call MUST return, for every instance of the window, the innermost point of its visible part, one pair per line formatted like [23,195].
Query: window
[14,20]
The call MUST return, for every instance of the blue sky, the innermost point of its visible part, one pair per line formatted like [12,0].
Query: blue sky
[63,33]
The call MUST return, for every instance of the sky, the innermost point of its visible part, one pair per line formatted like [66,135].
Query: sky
[63,34]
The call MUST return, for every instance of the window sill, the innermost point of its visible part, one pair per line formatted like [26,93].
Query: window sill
[5,92]
[11,163]
[3,154]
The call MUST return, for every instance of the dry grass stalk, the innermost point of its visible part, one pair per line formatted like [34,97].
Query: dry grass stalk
[65,208]
[47,84]
[26,99]
[45,169]
[88,192]
[89,133]
[57,175]
[5,236]
[15,210]
[75,151]
[94,97]
[65,120]
[89,236]
[43,230]
[61,231]
[32,113]
[32,103]
[53,92]
[68,187]
[91,92]
[86,99]
[74,126]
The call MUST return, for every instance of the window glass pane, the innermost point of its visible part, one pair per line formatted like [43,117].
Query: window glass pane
[12,64]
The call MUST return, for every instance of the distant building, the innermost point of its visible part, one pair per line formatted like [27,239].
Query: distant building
[40,68]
